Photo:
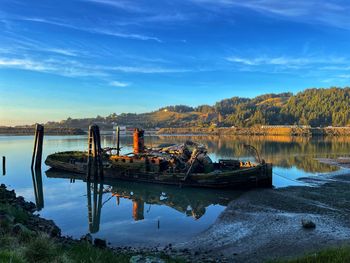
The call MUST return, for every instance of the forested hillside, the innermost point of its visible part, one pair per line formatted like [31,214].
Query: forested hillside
[315,107]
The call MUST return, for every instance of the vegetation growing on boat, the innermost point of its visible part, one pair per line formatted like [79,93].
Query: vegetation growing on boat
[67,156]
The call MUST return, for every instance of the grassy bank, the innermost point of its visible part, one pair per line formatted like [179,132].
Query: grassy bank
[331,255]
[27,238]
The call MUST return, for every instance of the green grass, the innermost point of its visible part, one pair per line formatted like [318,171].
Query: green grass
[10,256]
[86,253]
[331,255]
[20,215]
[24,248]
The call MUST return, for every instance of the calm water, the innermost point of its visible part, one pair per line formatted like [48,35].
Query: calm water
[141,214]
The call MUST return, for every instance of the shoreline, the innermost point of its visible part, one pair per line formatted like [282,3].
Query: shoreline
[254,227]
[16,131]
[18,221]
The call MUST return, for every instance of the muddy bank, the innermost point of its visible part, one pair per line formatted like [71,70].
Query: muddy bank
[266,224]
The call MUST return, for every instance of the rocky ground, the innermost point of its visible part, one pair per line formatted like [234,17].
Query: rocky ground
[268,224]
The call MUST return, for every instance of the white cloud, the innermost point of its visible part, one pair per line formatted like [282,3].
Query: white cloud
[61,51]
[124,35]
[344,76]
[130,69]
[331,13]
[67,68]
[118,84]
[101,31]
[286,61]
[126,5]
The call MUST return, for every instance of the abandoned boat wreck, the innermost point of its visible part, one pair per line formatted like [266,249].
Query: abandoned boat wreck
[186,164]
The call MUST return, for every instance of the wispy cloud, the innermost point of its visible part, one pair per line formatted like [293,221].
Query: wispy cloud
[101,31]
[63,68]
[148,70]
[61,51]
[286,61]
[332,13]
[124,35]
[118,84]
[125,5]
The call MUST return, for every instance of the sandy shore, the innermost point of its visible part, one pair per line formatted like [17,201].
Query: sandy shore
[266,224]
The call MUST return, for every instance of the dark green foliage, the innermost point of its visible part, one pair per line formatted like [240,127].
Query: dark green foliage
[18,213]
[178,108]
[315,107]
[333,255]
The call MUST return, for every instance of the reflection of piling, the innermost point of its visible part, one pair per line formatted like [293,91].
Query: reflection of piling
[118,140]
[94,209]
[94,152]
[137,210]
[139,141]
[38,188]
[3,165]
[38,146]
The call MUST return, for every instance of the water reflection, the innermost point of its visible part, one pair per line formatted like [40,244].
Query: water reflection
[188,201]
[38,188]
[190,210]
[94,191]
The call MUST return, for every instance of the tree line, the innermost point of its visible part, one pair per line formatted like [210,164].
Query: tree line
[314,107]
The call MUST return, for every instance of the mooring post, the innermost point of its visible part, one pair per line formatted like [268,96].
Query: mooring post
[94,152]
[118,140]
[3,165]
[38,146]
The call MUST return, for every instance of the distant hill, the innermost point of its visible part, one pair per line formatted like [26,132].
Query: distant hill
[315,107]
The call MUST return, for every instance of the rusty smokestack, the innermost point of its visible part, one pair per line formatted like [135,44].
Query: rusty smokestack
[139,141]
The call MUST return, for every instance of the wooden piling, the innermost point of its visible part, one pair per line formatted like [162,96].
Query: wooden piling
[38,146]
[94,152]
[3,165]
[118,140]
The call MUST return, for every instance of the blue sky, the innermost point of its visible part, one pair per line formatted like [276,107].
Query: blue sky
[82,58]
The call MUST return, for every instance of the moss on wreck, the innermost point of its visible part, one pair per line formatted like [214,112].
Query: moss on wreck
[67,156]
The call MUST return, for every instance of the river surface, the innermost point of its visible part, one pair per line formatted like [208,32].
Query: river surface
[134,214]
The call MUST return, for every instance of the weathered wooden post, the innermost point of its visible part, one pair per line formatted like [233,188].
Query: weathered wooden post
[3,165]
[118,140]
[38,146]
[94,152]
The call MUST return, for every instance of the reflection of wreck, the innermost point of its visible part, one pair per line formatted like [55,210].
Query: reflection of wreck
[185,200]
[192,203]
